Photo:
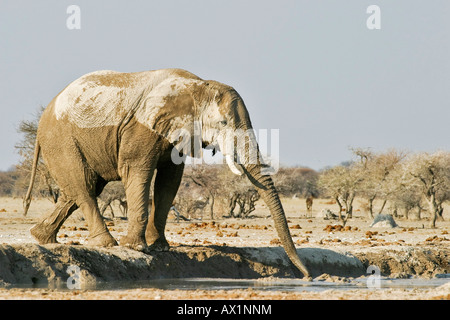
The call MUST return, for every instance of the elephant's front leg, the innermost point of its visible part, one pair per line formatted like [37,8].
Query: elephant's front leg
[137,187]
[167,181]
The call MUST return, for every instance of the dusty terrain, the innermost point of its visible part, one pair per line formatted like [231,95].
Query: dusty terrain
[225,249]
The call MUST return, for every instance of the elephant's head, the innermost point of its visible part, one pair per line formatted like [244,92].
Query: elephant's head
[225,122]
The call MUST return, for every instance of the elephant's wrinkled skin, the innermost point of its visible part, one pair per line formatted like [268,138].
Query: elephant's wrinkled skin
[108,126]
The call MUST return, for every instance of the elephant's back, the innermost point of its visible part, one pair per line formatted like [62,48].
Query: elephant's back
[101,98]
[106,98]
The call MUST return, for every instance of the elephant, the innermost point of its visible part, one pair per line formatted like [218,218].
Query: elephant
[109,126]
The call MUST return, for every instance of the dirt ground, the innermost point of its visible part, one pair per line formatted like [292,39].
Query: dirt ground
[225,248]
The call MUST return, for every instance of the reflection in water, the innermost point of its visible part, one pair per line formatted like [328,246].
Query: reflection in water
[267,284]
[273,284]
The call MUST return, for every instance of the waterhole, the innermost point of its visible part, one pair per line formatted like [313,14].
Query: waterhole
[288,285]
[292,285]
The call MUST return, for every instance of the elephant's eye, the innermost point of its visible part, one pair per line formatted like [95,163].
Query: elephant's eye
[223,123]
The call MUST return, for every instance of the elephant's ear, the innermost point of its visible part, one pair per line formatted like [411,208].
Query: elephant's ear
[198,91]
[168,109]
[206,93]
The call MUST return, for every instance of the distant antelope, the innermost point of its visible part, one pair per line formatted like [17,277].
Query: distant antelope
[309,204]
[123,206]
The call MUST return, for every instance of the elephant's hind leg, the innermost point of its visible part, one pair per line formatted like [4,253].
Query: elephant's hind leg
[45,231]
[84,186]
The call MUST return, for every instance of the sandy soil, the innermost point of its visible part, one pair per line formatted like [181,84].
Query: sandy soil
[225,247]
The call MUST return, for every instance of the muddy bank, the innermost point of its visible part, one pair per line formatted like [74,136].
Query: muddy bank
[35,265]
[407,261]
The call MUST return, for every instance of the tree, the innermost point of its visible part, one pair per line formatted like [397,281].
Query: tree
[246,202]
[342,184]
[296,181]
[7,182]
[202,185]
[381,173]
[430,173]
[407,198]
[216,186]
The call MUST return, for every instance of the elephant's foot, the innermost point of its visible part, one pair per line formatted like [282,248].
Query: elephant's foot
[160,244]
[104,239]
[43,235]
[133,242]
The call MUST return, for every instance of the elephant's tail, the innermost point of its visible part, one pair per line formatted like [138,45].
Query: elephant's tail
[27,199]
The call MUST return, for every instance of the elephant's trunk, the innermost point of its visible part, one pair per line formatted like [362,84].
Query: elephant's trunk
[241,144]
[266,189]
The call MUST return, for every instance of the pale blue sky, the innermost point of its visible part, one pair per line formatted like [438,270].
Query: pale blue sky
[309,68]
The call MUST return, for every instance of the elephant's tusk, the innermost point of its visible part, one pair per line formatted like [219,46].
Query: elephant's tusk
[234,167]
